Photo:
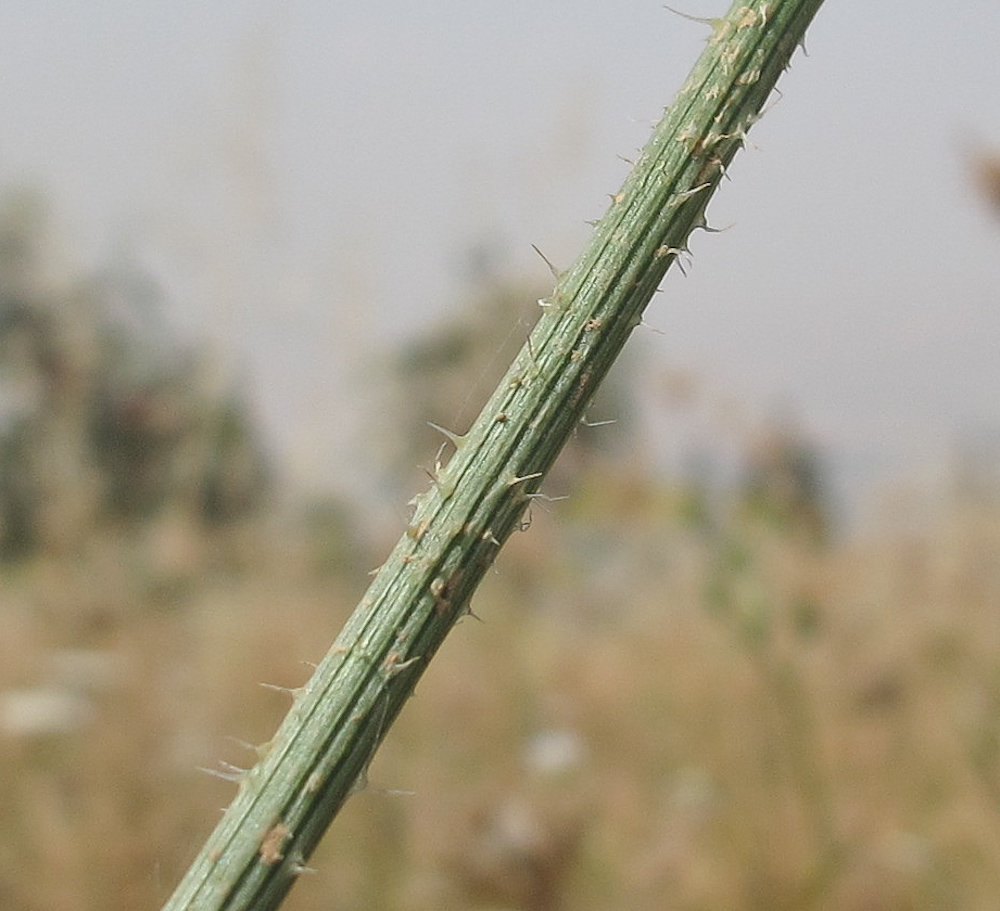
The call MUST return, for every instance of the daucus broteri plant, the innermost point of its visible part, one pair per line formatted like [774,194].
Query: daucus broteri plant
[321,751]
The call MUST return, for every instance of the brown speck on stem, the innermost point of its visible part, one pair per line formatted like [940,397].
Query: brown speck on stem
[270,847]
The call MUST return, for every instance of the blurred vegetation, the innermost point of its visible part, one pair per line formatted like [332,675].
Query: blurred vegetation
[446,376]
[986,172]
[680,695]
[107,426]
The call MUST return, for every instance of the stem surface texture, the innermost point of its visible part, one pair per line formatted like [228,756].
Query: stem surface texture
[321,750]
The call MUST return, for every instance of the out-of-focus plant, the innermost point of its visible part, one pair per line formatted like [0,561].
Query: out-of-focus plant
[763,552]
[986,171]
[104,421]
[446,376]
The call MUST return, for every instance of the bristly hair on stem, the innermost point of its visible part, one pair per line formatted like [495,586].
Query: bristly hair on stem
[478,499]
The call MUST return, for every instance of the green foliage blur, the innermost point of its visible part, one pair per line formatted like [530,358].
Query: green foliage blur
[106,421]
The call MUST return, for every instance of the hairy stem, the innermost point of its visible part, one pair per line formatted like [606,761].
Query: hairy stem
[324,745]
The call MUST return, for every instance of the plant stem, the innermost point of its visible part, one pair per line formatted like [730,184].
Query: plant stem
[321,750]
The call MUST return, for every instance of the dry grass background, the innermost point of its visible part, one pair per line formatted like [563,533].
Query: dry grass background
[659,705]
[647,716]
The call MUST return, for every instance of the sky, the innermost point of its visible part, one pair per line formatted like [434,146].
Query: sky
[310,178]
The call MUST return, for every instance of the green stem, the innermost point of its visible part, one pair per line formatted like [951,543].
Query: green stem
[324,745]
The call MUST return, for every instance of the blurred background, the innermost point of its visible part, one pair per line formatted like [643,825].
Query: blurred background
[248,250]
